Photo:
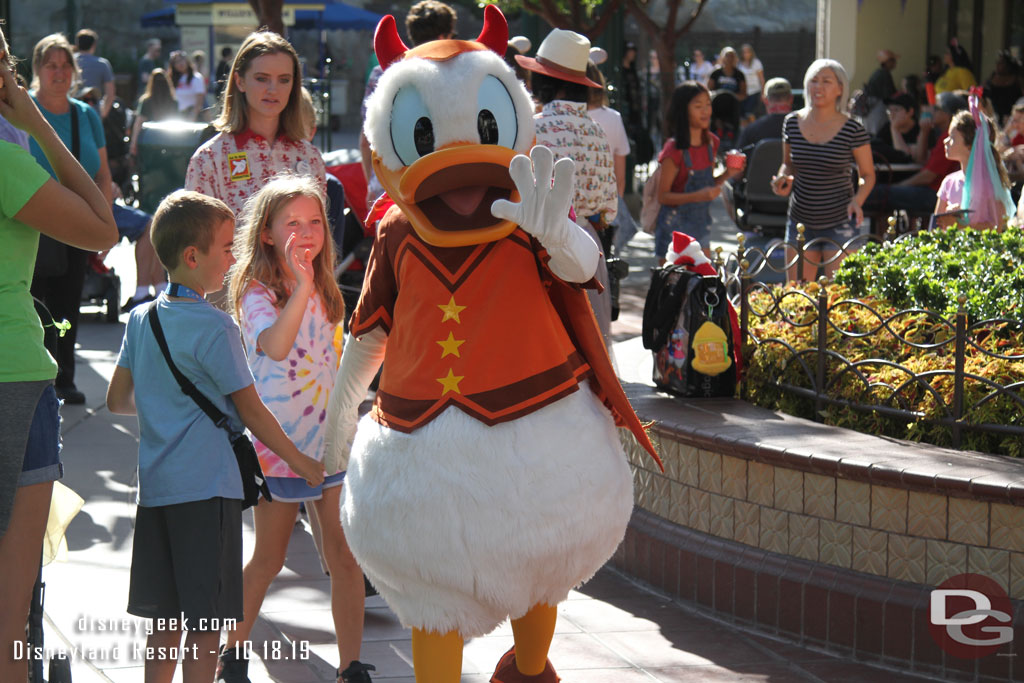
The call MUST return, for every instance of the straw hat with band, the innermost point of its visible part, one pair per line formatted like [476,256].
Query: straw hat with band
[562,55]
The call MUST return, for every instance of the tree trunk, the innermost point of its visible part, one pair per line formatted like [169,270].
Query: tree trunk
[664,38]
[268,14]
[667,61]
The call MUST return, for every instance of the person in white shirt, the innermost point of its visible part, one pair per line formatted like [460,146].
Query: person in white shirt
[615,132]
[189,87]
[700,69]
[753,71]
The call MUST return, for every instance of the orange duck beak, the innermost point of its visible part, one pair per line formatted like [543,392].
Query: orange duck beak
[447,194]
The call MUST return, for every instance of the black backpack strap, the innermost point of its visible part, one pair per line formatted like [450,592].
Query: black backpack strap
[212,411]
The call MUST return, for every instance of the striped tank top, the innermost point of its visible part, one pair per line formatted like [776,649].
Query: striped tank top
[823,185]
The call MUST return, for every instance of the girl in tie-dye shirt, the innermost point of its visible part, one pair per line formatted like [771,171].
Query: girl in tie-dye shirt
[290,309]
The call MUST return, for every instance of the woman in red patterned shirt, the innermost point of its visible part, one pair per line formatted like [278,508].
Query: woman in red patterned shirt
[262,131]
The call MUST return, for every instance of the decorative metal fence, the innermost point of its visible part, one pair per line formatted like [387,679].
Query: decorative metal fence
[880,385]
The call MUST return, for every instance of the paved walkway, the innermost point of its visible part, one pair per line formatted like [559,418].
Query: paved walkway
[612,629]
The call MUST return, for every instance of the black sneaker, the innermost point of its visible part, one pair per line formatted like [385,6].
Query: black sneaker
[357,672]
[70,395]
[133,302]
[230,667]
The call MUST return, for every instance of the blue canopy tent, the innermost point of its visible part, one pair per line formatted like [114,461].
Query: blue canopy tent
[161,17]
[337,16]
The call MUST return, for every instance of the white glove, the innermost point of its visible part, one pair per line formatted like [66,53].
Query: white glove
[543,211]
[359,363]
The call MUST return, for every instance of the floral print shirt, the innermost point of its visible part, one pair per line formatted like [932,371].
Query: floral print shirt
[232,168]
[567,130]
[296,389]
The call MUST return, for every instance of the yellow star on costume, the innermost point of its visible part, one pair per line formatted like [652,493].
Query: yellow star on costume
[451,382]
[451,345]
[451,310]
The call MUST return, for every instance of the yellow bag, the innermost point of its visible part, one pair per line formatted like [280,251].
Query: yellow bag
[710,350]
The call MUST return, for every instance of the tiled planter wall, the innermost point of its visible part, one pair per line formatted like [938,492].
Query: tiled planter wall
[833,539]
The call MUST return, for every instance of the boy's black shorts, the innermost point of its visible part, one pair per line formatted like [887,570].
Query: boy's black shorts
[187,562]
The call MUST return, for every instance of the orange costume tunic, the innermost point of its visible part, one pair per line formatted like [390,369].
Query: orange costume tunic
[476,329]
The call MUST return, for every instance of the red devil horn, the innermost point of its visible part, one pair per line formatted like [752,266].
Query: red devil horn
[494,35]
[387,43]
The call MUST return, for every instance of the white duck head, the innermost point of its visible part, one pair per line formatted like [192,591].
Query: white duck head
[443,125]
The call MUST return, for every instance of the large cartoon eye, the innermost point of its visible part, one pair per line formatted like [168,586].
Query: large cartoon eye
[496,114]
[412,131]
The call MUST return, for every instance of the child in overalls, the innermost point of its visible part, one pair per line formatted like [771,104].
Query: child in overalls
[688,183]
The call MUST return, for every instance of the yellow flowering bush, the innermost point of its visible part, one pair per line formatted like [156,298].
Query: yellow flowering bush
[880,355]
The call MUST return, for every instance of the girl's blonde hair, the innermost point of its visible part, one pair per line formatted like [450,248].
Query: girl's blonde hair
[963,122]
[234,116]
[54,41]
[257,260]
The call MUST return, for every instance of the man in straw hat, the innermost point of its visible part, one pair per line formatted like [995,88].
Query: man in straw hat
[561,86]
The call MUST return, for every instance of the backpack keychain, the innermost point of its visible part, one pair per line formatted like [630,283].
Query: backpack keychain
[710,345]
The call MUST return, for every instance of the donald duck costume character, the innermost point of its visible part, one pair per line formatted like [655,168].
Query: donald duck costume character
[488,479]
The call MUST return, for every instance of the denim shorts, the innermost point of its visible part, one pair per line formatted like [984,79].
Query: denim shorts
[42,452]
[840,234]
[131,222]
[296,490]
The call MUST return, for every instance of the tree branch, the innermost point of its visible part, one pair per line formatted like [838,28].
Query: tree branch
[669,30]
[693,17]
[639,13]
[596,28]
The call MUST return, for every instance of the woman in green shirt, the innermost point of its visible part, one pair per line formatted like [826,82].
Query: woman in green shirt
[73,210]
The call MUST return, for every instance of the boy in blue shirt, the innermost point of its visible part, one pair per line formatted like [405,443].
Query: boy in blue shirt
[187,553]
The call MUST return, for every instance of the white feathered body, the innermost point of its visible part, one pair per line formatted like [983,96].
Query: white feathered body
[460,525]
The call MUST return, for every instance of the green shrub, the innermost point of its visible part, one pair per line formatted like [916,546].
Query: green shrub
[928,271]
[932,269]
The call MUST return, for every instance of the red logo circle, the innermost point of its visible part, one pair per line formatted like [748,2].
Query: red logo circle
[970,616]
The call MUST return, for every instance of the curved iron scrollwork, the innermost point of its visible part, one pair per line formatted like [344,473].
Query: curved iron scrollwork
[887,386]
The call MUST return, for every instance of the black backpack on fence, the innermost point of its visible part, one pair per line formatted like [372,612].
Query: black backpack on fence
[686,324]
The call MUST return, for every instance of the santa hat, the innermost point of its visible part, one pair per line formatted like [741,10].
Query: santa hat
[686,251]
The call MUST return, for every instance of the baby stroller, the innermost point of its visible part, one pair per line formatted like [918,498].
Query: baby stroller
[59,669]
[117,130]
[353,238]
[102,288]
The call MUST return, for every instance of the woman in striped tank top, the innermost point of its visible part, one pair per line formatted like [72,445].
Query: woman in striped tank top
[820,144]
